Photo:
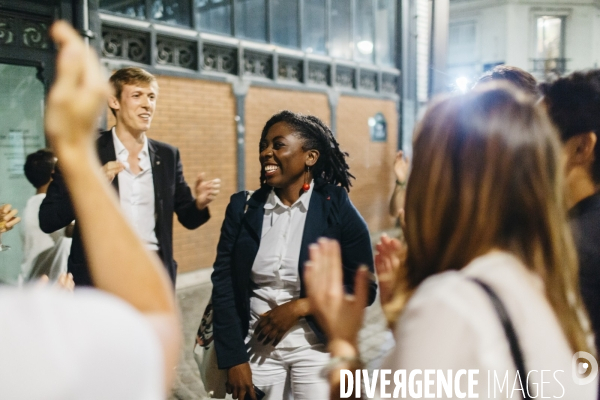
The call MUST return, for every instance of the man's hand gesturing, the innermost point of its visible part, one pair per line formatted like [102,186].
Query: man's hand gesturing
[112,168]
[206,191]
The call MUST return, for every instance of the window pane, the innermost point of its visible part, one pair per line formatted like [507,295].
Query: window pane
[313,34]
[386,34]
[341,29]
[171,11]
[462,47]
[549,37]
[250,21]
[21,133]
[284,22]
[364,31]
[130,8]
[214,15]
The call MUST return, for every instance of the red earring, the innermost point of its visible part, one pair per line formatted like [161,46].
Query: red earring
[306,185]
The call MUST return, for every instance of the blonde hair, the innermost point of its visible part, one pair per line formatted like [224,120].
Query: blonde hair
[487,174]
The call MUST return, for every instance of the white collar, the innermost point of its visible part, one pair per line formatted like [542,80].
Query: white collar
[120,148]
[303,201]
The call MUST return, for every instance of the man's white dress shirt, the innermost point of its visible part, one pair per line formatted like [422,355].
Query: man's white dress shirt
[136,192]
[274,275]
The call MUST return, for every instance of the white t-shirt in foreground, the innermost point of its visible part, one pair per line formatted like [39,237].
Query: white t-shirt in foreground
[85,345]
[450,324]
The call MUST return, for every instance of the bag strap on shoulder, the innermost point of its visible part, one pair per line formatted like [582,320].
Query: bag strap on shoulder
[511,334]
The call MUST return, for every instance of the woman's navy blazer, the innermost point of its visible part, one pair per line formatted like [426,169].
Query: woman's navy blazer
[330,214]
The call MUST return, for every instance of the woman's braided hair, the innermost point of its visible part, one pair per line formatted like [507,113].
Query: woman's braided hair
[331,167]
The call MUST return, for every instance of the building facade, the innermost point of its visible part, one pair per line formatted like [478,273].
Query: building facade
[546,38]
[223,68]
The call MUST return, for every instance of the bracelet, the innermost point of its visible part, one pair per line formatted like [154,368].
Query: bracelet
[334,362]
[402,185]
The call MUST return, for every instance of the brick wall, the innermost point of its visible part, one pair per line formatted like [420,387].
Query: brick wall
[370,162]
[198,117]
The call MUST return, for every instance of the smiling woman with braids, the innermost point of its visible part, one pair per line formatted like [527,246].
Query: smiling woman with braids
[263,329]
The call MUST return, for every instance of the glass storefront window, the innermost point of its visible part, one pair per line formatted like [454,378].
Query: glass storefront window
[214,15]
[364,40]
[130,8]
[171,11]
[313,34]
[284,22]
[386,32]
[21,133]
[341,29]
[250,21]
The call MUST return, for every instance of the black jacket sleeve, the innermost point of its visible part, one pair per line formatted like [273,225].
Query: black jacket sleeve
[56,210]
[228,332]
[185,203]
[355,245]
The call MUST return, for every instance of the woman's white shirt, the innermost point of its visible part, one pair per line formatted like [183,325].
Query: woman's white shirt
[450,324]
[274,275]
[86,345]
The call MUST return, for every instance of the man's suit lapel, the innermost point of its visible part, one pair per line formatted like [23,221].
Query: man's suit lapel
[253,218]
[158,176]
[106,152]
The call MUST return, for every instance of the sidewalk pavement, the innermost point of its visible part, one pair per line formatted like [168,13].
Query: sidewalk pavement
[375,340]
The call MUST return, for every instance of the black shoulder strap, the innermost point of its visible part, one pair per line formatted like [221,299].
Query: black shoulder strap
[509,331]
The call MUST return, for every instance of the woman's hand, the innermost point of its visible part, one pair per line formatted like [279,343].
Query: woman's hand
[339,314]
[8,218]
[391,254]
[239,382]
[274,324]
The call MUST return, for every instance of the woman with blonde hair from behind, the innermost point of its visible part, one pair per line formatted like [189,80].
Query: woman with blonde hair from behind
[489,284]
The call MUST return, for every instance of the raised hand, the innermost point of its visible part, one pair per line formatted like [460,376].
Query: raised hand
[206,191]
[77,96]
[390,256]
[338,313]
[401,167]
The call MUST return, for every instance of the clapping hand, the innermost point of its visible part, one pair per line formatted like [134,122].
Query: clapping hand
[339,313]
[206,191]
[390,256]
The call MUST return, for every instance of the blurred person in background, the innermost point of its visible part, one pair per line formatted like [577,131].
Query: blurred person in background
[521,79]
[484,215]
[264,331]
[573,103]
[401,170]
[43,253]
[119,342]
